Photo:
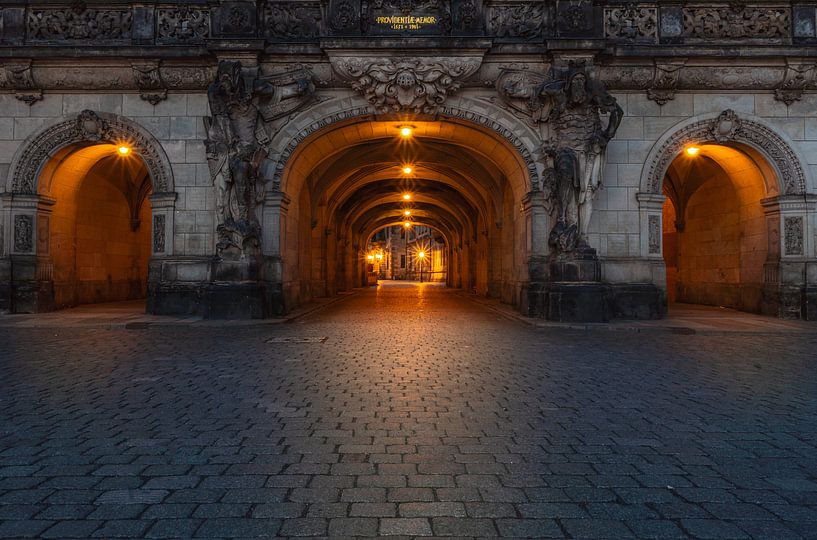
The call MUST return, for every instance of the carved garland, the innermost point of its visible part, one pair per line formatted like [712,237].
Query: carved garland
[89,127]
[449,112]
[728,127]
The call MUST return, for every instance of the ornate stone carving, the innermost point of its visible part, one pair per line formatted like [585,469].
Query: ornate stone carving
[736,21]
[793,235]
[88,126]
[654,234]
[344,16]
[23,233]
[572,101]
[17,76]
[631,23]
[159,233]
[516,21]
[665,81]
[292,20]
[573,16]
[235,145]
[725,126]
[149,81]
[418,85]
[79,23]
[182,25]
[728,127]
[797,78]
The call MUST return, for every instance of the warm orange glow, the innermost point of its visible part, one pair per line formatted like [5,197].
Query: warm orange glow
[378,255]
[693,150]
[406,196]
[421,254]
[407,169]
[407,213]
[370,257]
[123,150]
[406,132]
[407,224]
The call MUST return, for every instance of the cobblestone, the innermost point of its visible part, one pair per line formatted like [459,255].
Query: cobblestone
[420,414]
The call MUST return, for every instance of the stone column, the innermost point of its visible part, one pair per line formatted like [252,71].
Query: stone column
[790,272]
[273,245]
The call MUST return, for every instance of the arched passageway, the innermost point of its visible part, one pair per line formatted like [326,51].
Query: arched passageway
[99,241]
[714,226]
[407,251]
[350,180]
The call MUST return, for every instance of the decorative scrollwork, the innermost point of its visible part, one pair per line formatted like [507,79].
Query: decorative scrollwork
[183,25]
[631,23]
[88,126]
[292,20]
[73,24]
[517,21]
[736,21]
[418,85]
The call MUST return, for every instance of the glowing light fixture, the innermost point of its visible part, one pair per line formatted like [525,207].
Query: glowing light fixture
[406,196]
[407,169]
[378,255]
[370,257]
[692,150]
[421,254]
[407,224]
[406,131]
[123,150]
[407,213]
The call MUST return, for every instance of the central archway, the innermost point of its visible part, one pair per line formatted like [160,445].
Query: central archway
[352,178]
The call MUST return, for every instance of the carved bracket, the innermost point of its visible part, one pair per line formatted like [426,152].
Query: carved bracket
[417,85]
[797,78]
[17,76]
[665,81]
[149,81]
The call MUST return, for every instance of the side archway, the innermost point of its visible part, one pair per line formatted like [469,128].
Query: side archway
[89,202]
[725,212]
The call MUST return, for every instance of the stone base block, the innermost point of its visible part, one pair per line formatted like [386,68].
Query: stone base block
[639,301]
[809,310]
[32,296]
[593,302]
[576,269]
[255,300]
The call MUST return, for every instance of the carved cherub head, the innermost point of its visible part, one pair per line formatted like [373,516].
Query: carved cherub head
[577,87]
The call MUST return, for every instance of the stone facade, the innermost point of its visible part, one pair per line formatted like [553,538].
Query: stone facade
[319,68]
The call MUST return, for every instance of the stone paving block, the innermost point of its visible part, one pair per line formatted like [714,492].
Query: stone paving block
[373,509]
[122,528]
[596,528]
[431,509]
[405,526]
[72,529]
[173,528]
[452,526]
[529,528]
[353,527]
[655,528]
[24,528]
[238,527]
[303,527]
[712,528]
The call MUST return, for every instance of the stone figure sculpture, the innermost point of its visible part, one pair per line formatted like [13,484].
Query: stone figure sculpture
[235,145]
[572,103]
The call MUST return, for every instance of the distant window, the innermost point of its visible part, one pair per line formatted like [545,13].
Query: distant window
[402,261]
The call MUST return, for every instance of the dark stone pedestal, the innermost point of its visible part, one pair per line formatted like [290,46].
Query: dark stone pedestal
[639,301]
[809,309]
[582,267]
[32,296]
[234,301]
[576,302]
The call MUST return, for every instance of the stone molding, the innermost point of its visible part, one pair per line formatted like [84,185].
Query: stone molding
[727,127]
[87,127]
[18,77]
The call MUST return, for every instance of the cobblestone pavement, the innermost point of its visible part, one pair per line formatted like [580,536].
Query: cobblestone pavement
[408,411]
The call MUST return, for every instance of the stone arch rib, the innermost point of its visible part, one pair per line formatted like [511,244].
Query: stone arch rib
[726,128]
[88,127]
[452,112]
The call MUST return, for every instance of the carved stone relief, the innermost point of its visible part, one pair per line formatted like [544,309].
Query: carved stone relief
[159,233]
[729,127]
[665,83]
[149,81]
[417,85]
[88,126]
[631,23]
[17,76]
[292,20]
[797,78]
[78,23]
[23,233]
[793,235]
[522,21]
[654,234]
[736,21]
[182,25]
